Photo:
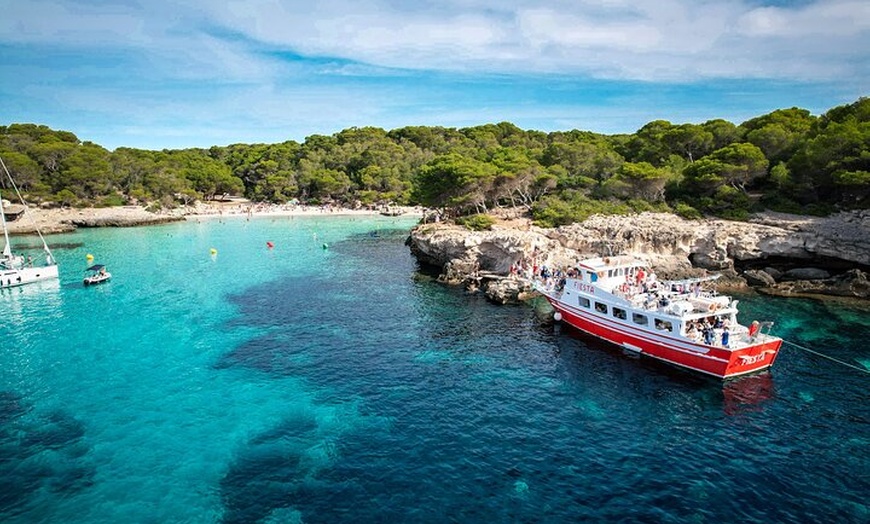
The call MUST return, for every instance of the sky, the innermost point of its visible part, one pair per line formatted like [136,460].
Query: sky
[152,74]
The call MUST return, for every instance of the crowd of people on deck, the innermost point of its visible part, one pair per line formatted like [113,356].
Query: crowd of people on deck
[710,331]
[656,296]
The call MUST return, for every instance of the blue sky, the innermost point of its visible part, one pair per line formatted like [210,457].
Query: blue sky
[196,73]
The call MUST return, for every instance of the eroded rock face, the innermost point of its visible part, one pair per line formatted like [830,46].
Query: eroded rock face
[675,247]
[852,284]
[806,273]
[507,291]
[755,277]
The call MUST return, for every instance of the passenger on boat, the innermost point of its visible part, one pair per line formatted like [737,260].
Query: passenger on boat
[725,337]
[663,303]
[691,331]
[708,334]
[753,329]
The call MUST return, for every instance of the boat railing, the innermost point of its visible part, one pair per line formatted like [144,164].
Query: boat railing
[741,338]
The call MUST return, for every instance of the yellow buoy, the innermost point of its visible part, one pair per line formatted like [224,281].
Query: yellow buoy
[213,251]
[89,256]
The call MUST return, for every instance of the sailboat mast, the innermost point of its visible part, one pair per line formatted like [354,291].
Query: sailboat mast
[7,250]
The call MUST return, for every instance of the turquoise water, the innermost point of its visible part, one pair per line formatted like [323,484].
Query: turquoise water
[303,384]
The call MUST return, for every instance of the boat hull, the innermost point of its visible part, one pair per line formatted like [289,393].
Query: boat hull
[710,360]
[26,275]
[93,281]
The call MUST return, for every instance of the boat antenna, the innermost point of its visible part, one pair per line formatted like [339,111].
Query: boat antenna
[21,198]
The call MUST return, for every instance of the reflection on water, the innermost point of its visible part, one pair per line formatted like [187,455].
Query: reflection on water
[15,301]
[748,393]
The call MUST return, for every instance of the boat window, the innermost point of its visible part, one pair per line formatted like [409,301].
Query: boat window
[584,302]
[619,313]
[637,318]
[664,325]
[601,308]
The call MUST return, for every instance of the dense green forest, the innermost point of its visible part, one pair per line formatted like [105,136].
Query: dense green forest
[787,160]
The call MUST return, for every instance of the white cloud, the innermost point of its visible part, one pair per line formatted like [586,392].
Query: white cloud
[250,70]
[643,39]
[547,28]
[837,19]
[673,40]
[71,23]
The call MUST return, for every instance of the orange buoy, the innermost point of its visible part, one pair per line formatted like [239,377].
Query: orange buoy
[270,245]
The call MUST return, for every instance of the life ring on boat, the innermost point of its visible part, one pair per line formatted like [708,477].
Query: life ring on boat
[601,274]
[714,306]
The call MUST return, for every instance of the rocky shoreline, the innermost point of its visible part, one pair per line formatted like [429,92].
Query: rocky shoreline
[773,253]
[778,254]
[51,221]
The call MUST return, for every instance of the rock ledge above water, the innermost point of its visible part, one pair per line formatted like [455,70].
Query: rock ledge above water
[784,254]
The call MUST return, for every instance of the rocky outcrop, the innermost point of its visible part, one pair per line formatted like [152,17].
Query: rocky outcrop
[806,273]
[508,290]
[844,236]
[773,251]
[124,221]
[755,277]
[49,221]
[852,284]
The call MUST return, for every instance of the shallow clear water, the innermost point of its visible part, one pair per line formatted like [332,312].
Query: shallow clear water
[341,384]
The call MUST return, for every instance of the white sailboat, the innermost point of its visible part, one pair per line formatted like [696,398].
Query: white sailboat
[16,269]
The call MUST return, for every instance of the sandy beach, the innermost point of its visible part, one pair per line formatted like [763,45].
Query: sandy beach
[50,221]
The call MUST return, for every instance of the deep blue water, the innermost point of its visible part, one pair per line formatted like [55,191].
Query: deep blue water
[303,384]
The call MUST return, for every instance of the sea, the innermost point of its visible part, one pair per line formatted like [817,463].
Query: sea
[329,378]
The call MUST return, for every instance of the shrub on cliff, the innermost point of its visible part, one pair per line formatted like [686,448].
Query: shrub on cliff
[686,211]
[477,222]
[572,206]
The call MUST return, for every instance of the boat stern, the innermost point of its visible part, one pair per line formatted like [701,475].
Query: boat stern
[753,358]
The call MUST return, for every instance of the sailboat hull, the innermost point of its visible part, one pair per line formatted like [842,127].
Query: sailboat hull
[26,275]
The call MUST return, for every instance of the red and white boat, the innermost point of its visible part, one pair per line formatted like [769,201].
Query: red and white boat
[680,322]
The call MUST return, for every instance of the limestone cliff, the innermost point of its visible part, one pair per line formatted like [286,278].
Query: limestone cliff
[765,251]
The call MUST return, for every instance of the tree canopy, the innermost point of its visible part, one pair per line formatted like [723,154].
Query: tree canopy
[786,160]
